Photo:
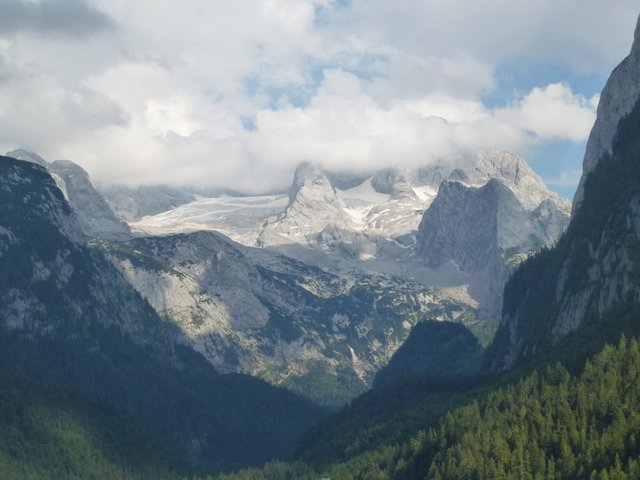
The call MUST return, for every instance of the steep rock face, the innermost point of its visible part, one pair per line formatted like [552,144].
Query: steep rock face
[595,265]
[620,94]
[498,208]
[463,227]
[477,227]
[44,253]
[94,215]
[466,225]
[69,318]
[489,218]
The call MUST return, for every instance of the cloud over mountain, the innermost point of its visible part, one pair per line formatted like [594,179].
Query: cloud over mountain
[236,94]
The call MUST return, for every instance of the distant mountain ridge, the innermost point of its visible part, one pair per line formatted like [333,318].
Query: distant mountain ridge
[372,224]
[358,232]
[361,217]
[346,267]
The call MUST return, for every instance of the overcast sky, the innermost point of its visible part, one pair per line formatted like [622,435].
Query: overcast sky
[235,93]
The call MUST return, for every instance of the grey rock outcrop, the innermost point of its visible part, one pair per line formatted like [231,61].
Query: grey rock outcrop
[465,225]
[517,175]
[487,220]
[255,312]
[489,215]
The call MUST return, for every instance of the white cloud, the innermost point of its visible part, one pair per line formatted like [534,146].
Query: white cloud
[292,15]
[588,34]
[343,127]
[398,74]
[553,112]
[173,115]
[162,96]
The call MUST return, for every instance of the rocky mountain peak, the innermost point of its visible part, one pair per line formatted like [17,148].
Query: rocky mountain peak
[313,205]
[67,167]
[505,165]
[384,180]
[309,176]
[487,219]
[517,175]
[312,188]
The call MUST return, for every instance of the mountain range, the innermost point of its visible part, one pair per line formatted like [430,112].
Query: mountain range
[315,290]
[370,294]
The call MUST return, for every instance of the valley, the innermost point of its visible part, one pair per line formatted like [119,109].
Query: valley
[449,316]
[322,285]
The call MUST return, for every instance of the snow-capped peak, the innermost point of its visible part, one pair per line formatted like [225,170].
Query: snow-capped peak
[310,178]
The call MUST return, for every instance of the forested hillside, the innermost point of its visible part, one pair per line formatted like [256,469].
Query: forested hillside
[51,433]
[551,424]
